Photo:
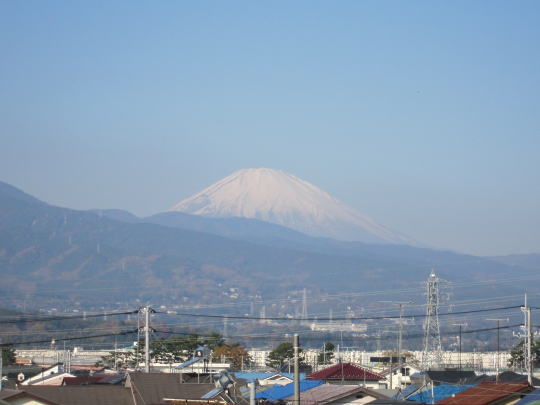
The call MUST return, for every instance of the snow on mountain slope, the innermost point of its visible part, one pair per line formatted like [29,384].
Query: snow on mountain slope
[281,198]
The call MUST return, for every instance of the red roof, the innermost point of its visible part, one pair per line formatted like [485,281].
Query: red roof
[485,393]
[346,371]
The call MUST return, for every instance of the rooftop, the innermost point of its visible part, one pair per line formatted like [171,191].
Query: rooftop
[87,395]
[279,392]
[439,393]
[346,371]
[330,392]
[485,393]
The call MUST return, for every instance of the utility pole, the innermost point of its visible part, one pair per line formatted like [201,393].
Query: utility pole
[147,339]
[400,340]
[115,347]
[529,347]
[460,325]
[147,329]
[498,344]
[296,370]
[251,393]
[304,305]
[1,364]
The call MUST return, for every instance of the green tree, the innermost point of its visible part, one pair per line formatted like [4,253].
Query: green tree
[233,352]
[8,354]
[212,341]
[326,355]
[282,355]
[517,354]
[168,351]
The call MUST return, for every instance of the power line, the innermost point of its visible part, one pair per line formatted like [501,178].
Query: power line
[337,318]
[194,336]
[65,318]
[409,336]
[69,338]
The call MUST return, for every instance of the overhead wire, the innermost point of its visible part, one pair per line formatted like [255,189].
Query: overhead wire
[291,319]
[65,318]
[68,338]
[461,284]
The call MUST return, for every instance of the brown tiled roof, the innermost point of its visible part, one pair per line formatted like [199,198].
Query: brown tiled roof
[87,395]
[486,393]
[346,371]
[328,393]
[93,379]
[8,393]
[152,388]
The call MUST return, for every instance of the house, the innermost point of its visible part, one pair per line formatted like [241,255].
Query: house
[49,376]
[268,378]
[155,388]
[280,392]
[51,379]
[408,391]
[6,393]
[432,395]
[444,377]
[489,393]
[400,375]
[139,389]
[15,372]
[508,377]
[348,373]
[79,395]
[337,394]
[94,379]
[532,398]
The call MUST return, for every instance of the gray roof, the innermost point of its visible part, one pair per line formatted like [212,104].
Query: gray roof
[80,395]
[450,376]
[152,388]
[328,393]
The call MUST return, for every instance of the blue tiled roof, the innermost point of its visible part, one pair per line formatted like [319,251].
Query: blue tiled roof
[251,376]
[439,392]
[530,399]
[283,391]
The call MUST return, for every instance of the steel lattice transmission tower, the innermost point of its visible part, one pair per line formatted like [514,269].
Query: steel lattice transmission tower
[432,353]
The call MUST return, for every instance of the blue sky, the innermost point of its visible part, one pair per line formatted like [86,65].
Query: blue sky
[422,114]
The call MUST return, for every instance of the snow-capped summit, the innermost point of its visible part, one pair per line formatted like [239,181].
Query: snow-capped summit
[281,198]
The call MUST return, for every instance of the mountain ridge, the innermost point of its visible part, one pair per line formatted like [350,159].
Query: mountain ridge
[44,248]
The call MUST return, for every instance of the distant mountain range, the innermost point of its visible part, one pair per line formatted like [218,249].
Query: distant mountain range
[111,256]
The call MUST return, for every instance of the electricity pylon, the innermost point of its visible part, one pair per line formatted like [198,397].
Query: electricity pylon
[432,353]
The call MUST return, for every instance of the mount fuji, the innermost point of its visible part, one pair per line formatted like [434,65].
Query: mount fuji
[284,199]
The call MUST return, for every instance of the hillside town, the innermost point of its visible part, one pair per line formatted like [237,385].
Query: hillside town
[212,369]
[36,377]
